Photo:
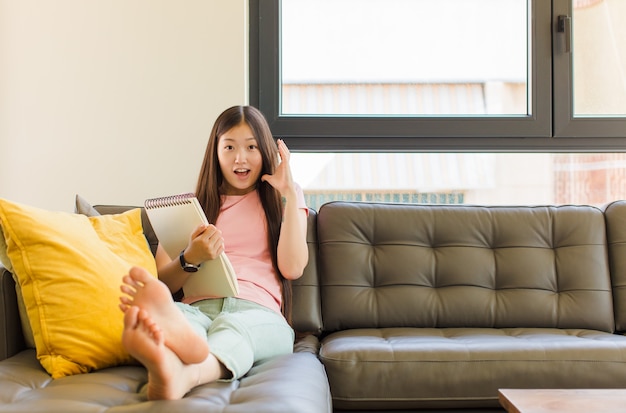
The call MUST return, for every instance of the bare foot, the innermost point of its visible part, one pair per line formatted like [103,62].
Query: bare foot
[151,295]
[168,377]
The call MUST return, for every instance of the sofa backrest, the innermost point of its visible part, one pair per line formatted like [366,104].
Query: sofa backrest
[11,335]
[615,214]
[397,265]
[307,311]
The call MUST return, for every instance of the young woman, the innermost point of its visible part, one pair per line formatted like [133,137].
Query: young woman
[246,189]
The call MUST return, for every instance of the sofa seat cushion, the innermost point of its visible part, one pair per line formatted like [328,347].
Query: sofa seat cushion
[433,368]
[291,383]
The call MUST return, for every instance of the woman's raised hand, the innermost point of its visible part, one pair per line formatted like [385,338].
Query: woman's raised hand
[281,180]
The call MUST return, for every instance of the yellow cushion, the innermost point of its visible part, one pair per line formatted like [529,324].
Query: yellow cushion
[69,268]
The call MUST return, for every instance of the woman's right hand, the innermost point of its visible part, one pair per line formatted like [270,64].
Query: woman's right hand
[205,243]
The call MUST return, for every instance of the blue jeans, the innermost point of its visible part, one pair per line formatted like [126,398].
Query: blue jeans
[240,333]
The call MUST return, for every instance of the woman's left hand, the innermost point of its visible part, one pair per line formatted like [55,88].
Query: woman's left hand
[281,180]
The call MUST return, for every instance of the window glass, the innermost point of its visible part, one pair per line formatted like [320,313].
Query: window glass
[447,101]
[352,57]
[599,58]
[404,57]
[462,178]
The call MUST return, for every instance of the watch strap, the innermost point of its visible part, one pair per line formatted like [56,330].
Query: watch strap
[187,267]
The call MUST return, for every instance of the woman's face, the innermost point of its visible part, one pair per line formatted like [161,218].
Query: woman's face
[240,160]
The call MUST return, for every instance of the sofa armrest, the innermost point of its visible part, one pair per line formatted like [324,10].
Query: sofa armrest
[11,336]
[308,343]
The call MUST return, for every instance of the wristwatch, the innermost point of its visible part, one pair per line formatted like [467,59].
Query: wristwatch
[185,265]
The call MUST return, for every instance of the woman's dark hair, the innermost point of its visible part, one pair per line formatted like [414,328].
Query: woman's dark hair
[211,179]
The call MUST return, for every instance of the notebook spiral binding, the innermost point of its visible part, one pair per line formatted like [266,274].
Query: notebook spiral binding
[168,201]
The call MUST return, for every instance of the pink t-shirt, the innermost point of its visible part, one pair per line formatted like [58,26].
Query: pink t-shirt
[243,225]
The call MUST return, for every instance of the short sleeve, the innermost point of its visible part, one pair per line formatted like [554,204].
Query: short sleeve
[300,197]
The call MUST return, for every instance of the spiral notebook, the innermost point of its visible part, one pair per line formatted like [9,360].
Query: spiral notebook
[173,219]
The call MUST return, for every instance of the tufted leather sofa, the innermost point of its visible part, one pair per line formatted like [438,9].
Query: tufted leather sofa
[406,307]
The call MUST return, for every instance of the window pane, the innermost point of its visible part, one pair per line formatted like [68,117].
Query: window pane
[462,178]
[404,57]
[599,40]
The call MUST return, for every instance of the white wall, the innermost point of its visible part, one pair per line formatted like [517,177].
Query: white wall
[113,99]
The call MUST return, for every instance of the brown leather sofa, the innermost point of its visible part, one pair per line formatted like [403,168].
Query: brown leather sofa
[407,307]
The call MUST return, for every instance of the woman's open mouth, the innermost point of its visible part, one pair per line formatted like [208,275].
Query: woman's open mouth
[242,173]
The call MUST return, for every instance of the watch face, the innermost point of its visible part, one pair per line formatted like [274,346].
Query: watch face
[190,268]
